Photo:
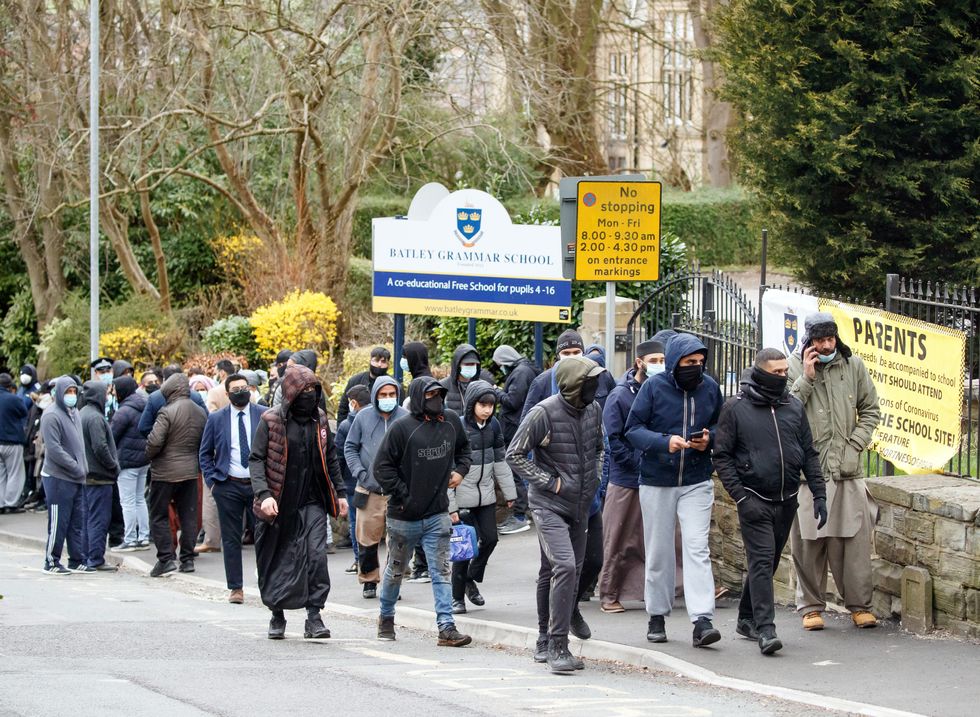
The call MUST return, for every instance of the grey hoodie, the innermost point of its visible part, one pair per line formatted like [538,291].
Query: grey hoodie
[366,433]
[61,431]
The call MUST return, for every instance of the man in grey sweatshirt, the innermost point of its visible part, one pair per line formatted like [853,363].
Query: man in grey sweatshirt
[63,475]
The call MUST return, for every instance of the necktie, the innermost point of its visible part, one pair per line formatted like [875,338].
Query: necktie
[242,439]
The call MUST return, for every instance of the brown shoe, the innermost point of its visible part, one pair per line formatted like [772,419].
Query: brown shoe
[863,618]
[202,548]
[237,597]
[813,621]
[612,607]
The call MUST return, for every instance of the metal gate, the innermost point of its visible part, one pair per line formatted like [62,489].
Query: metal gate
[710,306]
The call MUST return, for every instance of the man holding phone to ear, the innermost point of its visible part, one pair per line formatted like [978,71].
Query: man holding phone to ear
[672,424]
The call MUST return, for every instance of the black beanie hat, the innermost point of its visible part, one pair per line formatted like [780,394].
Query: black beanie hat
[569,339]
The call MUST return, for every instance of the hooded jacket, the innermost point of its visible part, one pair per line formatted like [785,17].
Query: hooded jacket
[417,357]
[520,375]
[568,445]
[130,443]
[268,460]
[100,448]
[13,418]
[61,431]
[120,367]
[154,402]
[487,453]
[606,381]
[34,386]
[624,463]
[663,409]
[175,441]
[365,436]
[456,388]
[762,446]
[417,456]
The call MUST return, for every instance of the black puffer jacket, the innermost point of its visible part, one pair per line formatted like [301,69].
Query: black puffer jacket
[130,443]
[567,442]
[762,446]
[456,389]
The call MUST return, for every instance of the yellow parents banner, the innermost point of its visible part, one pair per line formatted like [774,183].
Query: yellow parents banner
[918,371]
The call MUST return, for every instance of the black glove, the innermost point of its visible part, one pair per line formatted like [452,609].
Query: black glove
[820,512]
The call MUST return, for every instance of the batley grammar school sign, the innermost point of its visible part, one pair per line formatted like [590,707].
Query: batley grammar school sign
[462,256]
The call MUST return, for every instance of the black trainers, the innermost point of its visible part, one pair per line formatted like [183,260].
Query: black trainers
[705,633]
[277,627]
[163,568]
[56,569]
[578,626]
[187,566]
[746,628]
[559,658]
[314,628]
[656,631]
[386,628]
[541,648]
[768,642]
[459,607]
[106,568]
[370,591]
[451,637]
[473,594]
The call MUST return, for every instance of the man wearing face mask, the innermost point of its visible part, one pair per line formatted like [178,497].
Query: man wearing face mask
[565,433]
[415,360]
[297,485]
[842,406]
[377,367]
[360,450]
[13,420]
[277,371]
[465,367]
[28,381]
[149,382]
[156,401]
[672,423]
[762,445]
[102,369]
[225,447]
[357,398]
[421,457]
[623,573]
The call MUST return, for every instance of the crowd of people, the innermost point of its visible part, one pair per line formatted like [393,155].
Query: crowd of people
[614,473]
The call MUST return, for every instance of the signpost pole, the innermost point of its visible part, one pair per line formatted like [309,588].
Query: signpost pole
[471,331]
[399,344]
[539,345]
[611,323]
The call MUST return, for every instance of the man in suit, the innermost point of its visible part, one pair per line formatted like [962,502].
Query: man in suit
[225,448]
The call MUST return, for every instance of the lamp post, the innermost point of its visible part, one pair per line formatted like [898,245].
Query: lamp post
[93,178]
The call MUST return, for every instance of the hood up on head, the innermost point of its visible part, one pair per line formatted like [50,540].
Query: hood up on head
[29,369]
[505,355]
[474,391]
[62,384]
[571,373]
[381,381]
[176,387]
[251,377]
[125,387]
[680,346]
[462,352]
[664,338]
[597,353]
[296,379]
[416,393]
[120,367]
[418,359]
[94,394]
[306,357]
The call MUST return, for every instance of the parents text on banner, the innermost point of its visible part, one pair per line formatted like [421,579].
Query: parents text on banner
[466,258]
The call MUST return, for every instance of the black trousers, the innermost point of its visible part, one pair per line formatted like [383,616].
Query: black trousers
[562,542]
[764,535]
[233,498]
[484,520]
[117,526]
[184,497]
[592,565]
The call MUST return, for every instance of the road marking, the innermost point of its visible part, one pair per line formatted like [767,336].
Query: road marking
[826,663]
[393,657]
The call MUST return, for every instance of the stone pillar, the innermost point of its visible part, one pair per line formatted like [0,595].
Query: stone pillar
[593,329]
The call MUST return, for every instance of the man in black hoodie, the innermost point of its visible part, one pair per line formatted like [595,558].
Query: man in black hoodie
[762,444]
[465,367]
[420,458]
[103,471]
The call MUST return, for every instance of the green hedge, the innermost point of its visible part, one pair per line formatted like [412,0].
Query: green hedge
[716,225]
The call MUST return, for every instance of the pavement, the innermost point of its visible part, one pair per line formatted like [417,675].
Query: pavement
[882,671]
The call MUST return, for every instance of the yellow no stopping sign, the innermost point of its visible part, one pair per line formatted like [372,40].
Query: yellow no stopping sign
[617,233]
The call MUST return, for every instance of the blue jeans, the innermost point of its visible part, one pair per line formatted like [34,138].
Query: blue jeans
[403,535]
[132,497]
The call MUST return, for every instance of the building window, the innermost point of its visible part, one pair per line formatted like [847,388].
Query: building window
[676,71]
[619,114]
[617,164]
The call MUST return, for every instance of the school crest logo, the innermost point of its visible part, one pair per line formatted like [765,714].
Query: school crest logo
[791,332]
[468,221]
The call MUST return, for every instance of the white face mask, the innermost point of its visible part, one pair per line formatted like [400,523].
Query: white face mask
[652,369]
[45,401]
[253,396]
[26,379]
[467,370]
[203,395]
[403,364]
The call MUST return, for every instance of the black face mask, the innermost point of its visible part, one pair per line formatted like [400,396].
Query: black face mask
[769,385]
[377,371]
[688,377]
[433,406]
[588,391]
[239,399]
[304,405]
[152,387]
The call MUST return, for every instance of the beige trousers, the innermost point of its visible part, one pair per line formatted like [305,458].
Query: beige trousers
[209,520]
[850,564]
[369,532]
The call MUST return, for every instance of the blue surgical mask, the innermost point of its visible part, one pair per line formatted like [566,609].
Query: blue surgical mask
[70,400]
[387,405]
[403,364]
[110,405]
[106,378]
[828,358]
[467,370]
[352,408]
[652,369]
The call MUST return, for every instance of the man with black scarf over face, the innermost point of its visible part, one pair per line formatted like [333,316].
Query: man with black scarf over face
[762,444]
[565,433]
[297,483]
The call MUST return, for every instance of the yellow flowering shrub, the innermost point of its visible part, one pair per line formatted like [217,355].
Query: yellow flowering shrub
[235,254]
[300,320]
[141,345]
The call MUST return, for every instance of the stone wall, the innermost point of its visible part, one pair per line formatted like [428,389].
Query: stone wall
[930,522]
